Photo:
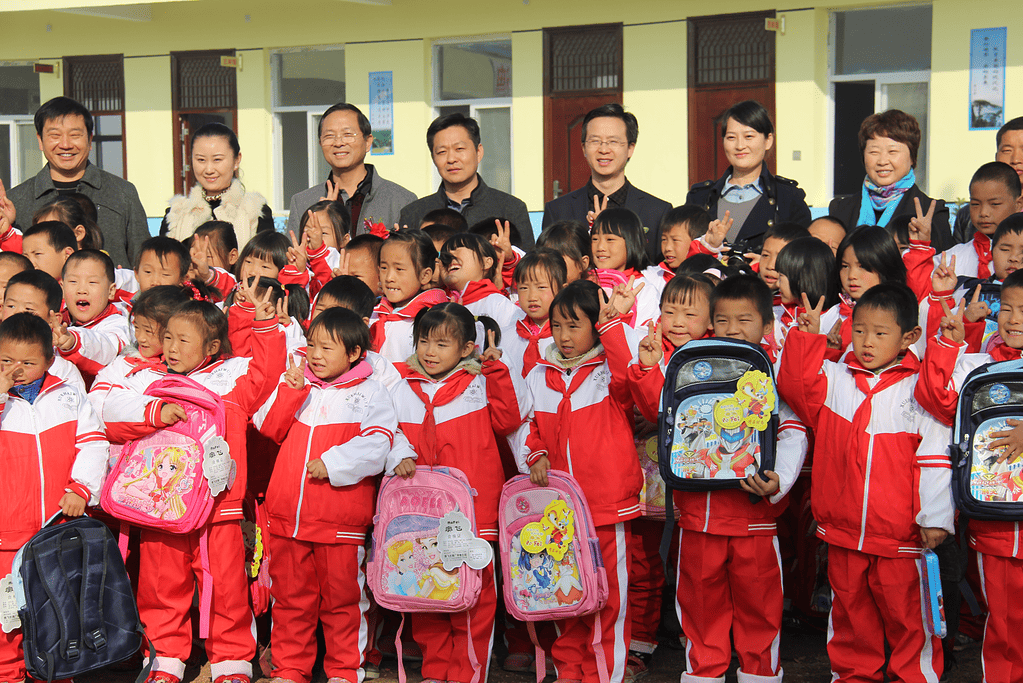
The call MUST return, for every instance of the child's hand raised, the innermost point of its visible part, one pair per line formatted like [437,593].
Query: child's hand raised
[761,485]
[810,318]
[718,230]
[406,469]
[7,206]
[977,310]
[951,325]
[650,349]
[62,339]
[502,240]
[172,413]
[281,308]
[538,471]
[621,301]
[313,231]
[294,376]
[316,469]
[332,191]
[200,253]
[492,353]
[944,279]
[265,307]
[72,504]
[598,207]
[920,225]
[344,266]
[835,335]
[8,376]
[297,254]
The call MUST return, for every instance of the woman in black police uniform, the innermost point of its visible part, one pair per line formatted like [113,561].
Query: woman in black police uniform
[755,198]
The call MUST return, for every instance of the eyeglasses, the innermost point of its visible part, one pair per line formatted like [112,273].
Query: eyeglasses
[597,143]
[347,137]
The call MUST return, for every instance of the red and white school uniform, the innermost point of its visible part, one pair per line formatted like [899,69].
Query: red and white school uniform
[48,447]
[973,258]
[127,285]
[11,240]
[453,421]
[319,525]
[170,565]
[583,422]
[997,544]
[391,328]
[221,280]
[482,297]
[884,475]
[97,342]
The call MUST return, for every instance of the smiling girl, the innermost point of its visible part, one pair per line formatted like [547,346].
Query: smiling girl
[468,267]
[619,253]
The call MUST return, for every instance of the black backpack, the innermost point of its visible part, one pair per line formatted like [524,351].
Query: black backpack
[76,603]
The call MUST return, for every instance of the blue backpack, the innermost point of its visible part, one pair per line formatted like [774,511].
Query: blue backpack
[718,415]
[983,487]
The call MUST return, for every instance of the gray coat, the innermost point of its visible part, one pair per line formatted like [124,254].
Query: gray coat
[383,204]
[122,220]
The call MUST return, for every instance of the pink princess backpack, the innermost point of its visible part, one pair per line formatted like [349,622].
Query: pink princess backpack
[550,556]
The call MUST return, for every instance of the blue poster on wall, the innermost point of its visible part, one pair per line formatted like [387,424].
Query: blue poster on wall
[381,111]
[987,78]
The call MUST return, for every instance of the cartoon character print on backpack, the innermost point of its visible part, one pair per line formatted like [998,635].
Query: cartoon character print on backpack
[415,567]
[157,482]
[990,480]
[544,571]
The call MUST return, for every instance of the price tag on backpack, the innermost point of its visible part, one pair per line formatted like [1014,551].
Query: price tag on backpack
[458,546]
[9,619]
[217,465]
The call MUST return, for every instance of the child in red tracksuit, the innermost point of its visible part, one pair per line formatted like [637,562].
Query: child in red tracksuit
[881,484]
[336,425]
[582,424]
[450,406]
[195,344]
[52,450]
[729,563]
[997,544]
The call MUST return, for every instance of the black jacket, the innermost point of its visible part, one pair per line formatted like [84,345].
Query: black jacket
[576,204]
[847,209]
[782,202]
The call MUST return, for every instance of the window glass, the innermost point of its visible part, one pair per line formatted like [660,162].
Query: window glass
[294,153]
[883,40]
[313,77]
[476,70]
[912,99]
[19,90]
[495,132]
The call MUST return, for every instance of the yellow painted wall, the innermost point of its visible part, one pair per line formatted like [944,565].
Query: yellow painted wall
[527,117]
[148,130]
[255,124]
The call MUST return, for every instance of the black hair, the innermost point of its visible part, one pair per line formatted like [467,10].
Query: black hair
[345,326]
[71,213]
[477,244]
[569,238]
[786,232]
[809,266]
[876,251]
[1013,279]
[1011,224]
[260,284]
[627,225]
[583,296]
[298,302]
[268,245]
[160,303]
[95,256]
[697,264]
[58,235]
[163,248]
[364,126]
[350,292]
[542,263]
[1001,172]
[42,281]
[15,258]
[58,108]
[695,218]
[895,298]
[488,227]
[1012,124]
[898,226]
[88,206]
[457,119]
[834,219]
[216,129]
[613,110]
[419,245]
[682,288]
[222,238]
[446,217]
[211,321]
[748,288]
[373,243]
[30,329]
[456,319]
[340,219]
[749,113]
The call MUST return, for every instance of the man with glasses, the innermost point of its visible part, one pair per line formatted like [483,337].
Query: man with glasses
[609,139]
[345,139]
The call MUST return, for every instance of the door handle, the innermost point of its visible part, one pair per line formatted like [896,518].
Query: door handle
[556,190]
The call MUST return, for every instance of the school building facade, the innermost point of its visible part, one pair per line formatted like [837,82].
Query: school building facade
[526,69]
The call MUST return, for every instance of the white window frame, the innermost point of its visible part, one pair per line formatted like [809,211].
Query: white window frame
[12,122]
[880,79]
[312,112]
[474,104]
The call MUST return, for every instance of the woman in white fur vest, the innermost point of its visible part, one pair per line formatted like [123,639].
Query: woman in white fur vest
[218,194]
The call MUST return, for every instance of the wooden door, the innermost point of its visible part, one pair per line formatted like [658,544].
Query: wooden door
[731,59]
[582,71]
[201,91]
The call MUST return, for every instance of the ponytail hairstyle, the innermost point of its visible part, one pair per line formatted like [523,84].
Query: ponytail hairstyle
[210,320]
[810,268]
[420,247]
[449,318]
[627,225]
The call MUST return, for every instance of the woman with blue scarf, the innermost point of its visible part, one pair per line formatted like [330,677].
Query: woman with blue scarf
[889,142]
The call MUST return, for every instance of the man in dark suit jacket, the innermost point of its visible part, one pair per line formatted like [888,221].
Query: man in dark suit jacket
[609,139]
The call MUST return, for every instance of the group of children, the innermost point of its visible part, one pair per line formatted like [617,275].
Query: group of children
[339,360]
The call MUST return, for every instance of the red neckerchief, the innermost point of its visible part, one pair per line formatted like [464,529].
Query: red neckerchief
[66,318]
[140,363]
[908,366]
[791,314]
[982,245]
[776,299]
[666,272]
[770,347]
[356,374]
[477,290]
[452,387]
[532,333]
[386,312]
[555,382]
[999,351]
